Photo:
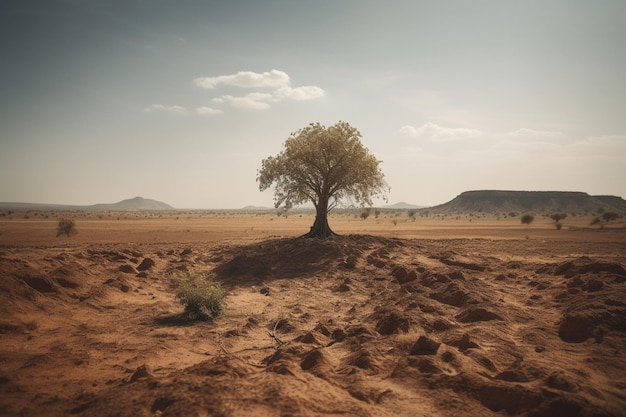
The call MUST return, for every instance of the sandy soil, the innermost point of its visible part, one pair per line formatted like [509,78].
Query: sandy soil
[425,318]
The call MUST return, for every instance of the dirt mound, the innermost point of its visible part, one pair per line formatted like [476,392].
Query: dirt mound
[351,326]
[591,295]
[295,257]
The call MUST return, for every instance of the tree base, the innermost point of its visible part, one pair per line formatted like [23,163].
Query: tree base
[320,231]
[320,235]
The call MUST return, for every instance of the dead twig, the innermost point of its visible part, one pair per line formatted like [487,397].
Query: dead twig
[272,334]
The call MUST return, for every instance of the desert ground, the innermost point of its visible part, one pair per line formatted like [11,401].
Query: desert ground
[456,316]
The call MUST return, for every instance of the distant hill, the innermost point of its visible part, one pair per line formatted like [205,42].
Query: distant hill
[538,202]
[131,204]
[402,206]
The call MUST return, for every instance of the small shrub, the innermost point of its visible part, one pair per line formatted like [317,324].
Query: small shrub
[365,213]
[609,216]
[557,217]
[66,227]
[527,219]
[202,296]
[596,220]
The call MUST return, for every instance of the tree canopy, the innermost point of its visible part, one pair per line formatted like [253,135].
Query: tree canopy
[323,165]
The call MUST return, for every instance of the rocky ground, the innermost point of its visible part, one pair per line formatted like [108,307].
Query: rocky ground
[353,326]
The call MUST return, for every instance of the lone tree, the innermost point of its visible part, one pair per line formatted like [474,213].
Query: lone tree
[557,217]
[527,219]
[609,216]
[323,165]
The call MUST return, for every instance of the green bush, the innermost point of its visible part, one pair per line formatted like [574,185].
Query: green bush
[527,219]
[202,296]
[66,227]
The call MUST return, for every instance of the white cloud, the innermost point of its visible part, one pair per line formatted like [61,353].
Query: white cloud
[246,79]
[439,133]
[277,81]
[161,107]
[208,110]
[408,130]
[257,101]
[525,133]
[309,92]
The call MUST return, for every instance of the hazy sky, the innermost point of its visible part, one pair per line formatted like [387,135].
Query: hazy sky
[180,101]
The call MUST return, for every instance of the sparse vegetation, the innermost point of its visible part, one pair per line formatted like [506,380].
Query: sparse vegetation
[202,296]
[557,217]
[66,227]
[608,216]
[527,219]
[365,213]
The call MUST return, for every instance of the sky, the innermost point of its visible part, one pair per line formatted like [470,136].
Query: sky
[102,101]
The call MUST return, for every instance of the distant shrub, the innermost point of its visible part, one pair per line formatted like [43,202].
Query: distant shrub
[527,219]
[596,220]
[365,213]
[609,216]
[202,296]
[66,227]
[557,217]
[412,213]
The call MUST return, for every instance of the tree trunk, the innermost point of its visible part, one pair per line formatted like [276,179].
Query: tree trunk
[320,228]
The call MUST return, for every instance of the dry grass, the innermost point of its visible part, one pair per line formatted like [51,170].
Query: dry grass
[234,227]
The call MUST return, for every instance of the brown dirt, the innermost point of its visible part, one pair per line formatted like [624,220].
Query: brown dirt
[506,321]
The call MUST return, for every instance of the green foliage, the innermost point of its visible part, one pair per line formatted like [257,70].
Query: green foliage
[527,219]
[66,227]
[202,296]
[321,164]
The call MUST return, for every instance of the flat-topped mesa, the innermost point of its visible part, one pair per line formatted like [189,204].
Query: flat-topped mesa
[540,202]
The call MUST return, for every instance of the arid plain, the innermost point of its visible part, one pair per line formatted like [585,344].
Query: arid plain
[395,317]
